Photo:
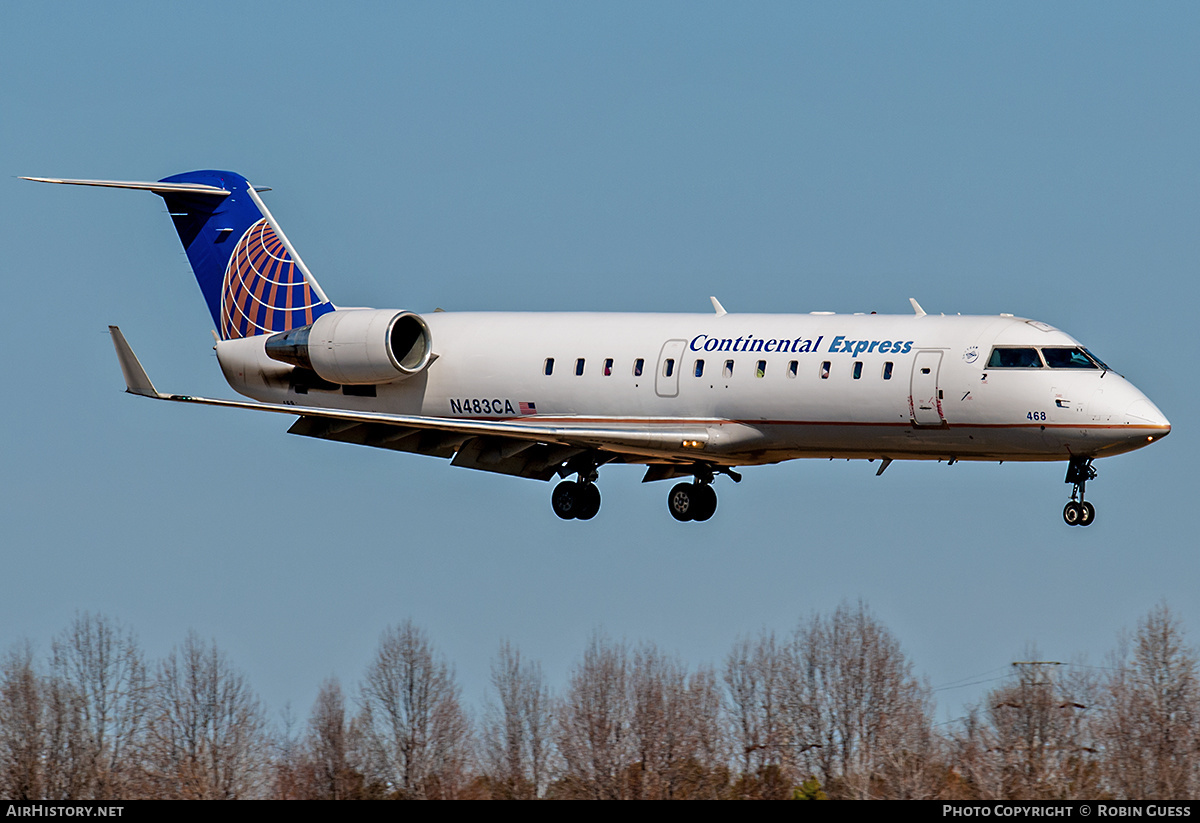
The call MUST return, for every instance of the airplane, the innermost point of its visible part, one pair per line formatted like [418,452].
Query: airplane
[556,395]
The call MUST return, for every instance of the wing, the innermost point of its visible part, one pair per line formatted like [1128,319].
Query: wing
[520,448]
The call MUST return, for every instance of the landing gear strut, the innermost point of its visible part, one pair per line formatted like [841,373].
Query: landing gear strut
[577,500]
[1079,512]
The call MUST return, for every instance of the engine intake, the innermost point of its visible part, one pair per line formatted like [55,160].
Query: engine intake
[357,346]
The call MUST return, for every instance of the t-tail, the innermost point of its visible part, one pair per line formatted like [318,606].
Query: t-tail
[248,271]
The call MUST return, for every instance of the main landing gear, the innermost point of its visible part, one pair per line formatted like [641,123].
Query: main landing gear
[578,500]
[697,500]
[575,501]
[1079,512]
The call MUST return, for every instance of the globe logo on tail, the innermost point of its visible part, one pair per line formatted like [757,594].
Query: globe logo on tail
[264,291]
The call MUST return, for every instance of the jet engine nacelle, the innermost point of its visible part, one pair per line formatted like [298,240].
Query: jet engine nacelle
[360,346]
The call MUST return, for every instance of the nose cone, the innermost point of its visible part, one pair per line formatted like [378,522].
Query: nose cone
[1144,414]
[1147,414]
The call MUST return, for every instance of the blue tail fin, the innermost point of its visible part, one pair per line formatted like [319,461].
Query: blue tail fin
[251,277]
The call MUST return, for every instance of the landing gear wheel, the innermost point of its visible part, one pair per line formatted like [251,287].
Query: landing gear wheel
[565,500]
[682,502]
[705,502]
[1073,514]
[1087,514]
[587,501]
[692,501]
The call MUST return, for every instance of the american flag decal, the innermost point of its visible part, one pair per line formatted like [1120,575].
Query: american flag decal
[528,408]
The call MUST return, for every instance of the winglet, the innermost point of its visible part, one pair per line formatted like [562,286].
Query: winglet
[920,312]
[136,379]
[717,307]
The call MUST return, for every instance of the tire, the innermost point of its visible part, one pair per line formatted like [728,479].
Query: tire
[587,501]
[1087,514]
[705,504]
[681,502]
[565,500]
[1072,513]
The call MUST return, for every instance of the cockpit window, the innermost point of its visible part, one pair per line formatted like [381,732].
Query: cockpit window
[1097,360]
[1012,357]
[1064,358]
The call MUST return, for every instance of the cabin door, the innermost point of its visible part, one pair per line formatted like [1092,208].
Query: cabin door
[666,379]
[926,400]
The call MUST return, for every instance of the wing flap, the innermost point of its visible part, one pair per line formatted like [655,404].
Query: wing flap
[513,457]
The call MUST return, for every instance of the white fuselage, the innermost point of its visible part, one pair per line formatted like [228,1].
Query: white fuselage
[771,387]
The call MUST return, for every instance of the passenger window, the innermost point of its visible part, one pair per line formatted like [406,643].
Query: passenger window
[579,367]
[728,373]
[761,369]
[1012,357]
[549,369]
[825,370]
[792,366]
[887,370]
[608,367]
[857,369]
[699,368]
[668,367]
[637,367]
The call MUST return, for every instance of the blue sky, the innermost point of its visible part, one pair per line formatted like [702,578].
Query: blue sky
[1031,158]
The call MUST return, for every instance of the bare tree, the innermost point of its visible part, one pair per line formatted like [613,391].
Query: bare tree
[1151,721]
[675,729]
[658,731]
[518,727]
[1041,733]
[292,773]
[855,710]
[65,756]
[334,747]
[99,678]
[207,731]
[594,722]
[23,731]
[754,679]
[704,772]
[325,763]
[417,734]
[974,772]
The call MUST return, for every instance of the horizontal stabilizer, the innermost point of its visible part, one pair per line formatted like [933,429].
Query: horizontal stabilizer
[136,379]
[157,187]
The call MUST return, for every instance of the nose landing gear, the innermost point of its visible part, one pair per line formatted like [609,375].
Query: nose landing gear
[1079,512]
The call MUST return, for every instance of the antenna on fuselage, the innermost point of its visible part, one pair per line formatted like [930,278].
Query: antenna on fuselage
[920,312]
[717,307]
